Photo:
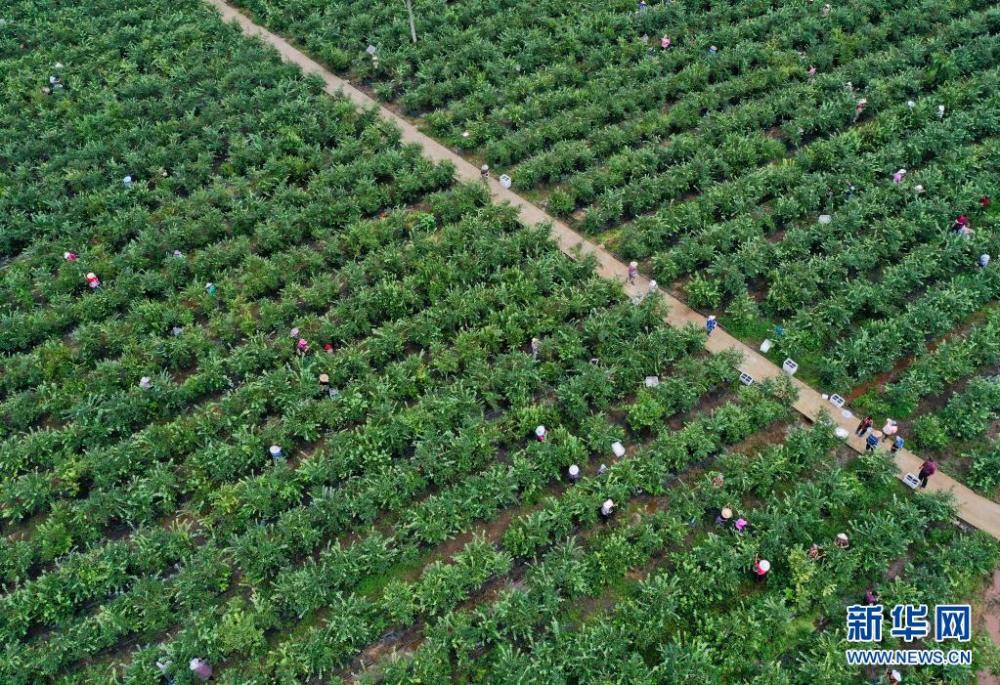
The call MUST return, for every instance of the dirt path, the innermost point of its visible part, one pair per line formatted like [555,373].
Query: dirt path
[973,509]
[991,619]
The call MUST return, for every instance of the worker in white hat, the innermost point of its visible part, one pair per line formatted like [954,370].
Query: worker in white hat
[607,509]
[760,568]
[633,271]
[275,452]
[574,473]
[842,540]
[540,433]
[145,383]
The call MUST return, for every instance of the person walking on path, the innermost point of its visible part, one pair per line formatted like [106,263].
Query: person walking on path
[871,442]
[889,429]
[897,444]
[863,427]
[484,172]
[928,469]
[633,271]
[710,324]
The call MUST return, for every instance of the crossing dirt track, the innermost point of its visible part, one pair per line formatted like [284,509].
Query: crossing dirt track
[974,509]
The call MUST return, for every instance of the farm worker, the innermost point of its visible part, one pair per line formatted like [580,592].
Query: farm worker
[652,287]
[294,332]
[893,676]
[574,473]
[164,665]
[201,669]
[93,281]
[918,189]
[860,108]
[812,70]
[871,442]
[665,42]
[889,429]
[302,345]
[127,181]
[328,348]
[960,222]
[724,517]
[984,260]
[210,288]
[633,271]
[324,382]
[602,469]
[718,481]
[761,567]
[645,38]
[176,330]
[863,427]
[710,324]
[940,111]
[535,345]
[275,452]
[642,6]
[842,541]
[607,509]
[897,444]
[741,525]
[712,49]
[871,597]
[484,172]
[965,232]
[70,256]
[815,552]
[898,176]
[178,254]
[984,202]
[826,10]
[928,469]
[145,383]
[540,433]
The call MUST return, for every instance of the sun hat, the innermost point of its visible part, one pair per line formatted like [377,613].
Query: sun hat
[727,513]
[764,565]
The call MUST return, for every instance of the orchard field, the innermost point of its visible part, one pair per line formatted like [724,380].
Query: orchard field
[712,169]
[251,233]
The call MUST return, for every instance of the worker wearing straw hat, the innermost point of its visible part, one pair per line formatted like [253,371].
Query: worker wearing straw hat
[724,518]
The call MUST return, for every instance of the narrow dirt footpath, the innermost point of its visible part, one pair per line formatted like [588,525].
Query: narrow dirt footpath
[973,509]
